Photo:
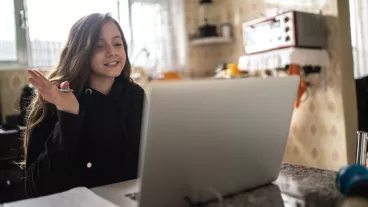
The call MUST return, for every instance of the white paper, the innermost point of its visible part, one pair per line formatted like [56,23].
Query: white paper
[76,197]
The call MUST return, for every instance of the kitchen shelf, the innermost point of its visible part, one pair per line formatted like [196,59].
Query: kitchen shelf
[210,41]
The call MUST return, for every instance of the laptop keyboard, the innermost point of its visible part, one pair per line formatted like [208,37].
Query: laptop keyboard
[133,196]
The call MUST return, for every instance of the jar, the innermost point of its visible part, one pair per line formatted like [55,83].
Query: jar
[226,30]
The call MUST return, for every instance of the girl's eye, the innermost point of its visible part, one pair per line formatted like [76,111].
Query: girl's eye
[100,46]
[118,44]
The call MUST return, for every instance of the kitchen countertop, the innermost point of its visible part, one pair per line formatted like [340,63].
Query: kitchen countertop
[296,185]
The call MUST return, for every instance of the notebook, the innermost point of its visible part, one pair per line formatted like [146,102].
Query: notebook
[76,197]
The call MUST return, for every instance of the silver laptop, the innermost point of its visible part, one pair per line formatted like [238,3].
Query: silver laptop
[219,136]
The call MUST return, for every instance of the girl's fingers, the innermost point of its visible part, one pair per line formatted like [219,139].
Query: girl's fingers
[34,82]
[46,83]
[38,84]
[32,74]
[41,76]
[46,95]
[37,75]
[36,78]
[39,80]
[41,93]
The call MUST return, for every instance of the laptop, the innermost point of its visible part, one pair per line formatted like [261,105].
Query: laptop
[203,140]
[213,137]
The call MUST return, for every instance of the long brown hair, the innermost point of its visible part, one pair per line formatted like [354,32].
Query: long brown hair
[74,66]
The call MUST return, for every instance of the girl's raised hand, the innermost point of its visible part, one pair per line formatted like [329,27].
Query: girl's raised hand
[64,101]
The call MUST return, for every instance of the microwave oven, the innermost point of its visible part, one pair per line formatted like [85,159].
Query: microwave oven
[288,29]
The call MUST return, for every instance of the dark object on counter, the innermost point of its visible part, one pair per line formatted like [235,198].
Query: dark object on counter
[11,176]
[134,196]
[10,148]
[361,88]
[208,30]
[352,181]
[9,127]
[311,69]
[13,120]
[28,92]
[307,69]
[205,1]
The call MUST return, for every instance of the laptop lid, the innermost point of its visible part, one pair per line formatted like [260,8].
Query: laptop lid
[224,135]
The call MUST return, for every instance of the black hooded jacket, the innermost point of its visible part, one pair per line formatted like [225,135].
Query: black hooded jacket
[98,146]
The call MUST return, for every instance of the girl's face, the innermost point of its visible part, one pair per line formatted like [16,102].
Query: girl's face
[109,56]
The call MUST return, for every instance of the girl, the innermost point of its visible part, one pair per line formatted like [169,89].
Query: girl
[91,136]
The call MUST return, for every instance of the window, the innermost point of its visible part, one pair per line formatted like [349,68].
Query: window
[161,32]
[8,44]
[148,32]
[35,39]
[124,15]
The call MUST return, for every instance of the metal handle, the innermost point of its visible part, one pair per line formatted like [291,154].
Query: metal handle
[361,153]
[23,19]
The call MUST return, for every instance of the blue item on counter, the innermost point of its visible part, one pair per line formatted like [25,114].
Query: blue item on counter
[352,180]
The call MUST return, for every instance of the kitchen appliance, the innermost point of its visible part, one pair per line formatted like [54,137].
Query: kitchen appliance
[288,29]
[207,27]
[208,30]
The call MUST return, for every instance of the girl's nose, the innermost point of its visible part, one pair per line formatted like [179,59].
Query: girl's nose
[110,51]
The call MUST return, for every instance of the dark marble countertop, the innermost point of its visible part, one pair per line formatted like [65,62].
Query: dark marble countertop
[297,185]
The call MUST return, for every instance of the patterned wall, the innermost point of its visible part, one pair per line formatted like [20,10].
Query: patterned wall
[317,132]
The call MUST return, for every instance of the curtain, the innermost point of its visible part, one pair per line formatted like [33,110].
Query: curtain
[359,40]
[158,28]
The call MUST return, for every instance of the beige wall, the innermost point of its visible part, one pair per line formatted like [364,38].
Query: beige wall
[318,131]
